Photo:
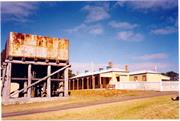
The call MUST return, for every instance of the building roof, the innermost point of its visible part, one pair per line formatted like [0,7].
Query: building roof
[144,71]
[99,72]
[114,70]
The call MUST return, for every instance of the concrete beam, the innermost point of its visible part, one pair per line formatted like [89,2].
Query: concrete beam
[35,63]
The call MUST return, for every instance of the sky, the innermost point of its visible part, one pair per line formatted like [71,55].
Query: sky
[142,34]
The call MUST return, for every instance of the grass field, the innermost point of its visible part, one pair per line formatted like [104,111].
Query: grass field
[77,96]
[161,107]
[150,108]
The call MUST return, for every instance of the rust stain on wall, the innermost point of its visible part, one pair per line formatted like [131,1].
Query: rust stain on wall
[34,46]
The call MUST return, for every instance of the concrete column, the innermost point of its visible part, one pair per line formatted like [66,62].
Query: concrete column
[87,82]
[100,81]
[82,83]
[93,82]
[29,80]
[49,81]
[3,78]
[69,86]
[44,90]
[25,86]
[7,84]
[66,82]
[73,81]
[77,84]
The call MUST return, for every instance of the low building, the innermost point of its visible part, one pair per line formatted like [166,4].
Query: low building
[148,76]
[111,76]
[98,79]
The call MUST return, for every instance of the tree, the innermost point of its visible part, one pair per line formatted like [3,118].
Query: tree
[3,55]
[173,75]
[70,73]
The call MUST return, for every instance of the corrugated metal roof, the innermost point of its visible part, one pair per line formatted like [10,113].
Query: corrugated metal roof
[114,70]
[99,72]
[143,71]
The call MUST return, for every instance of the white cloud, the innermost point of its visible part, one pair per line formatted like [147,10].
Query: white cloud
[84,28]
[81,67]
[78,67]
[148,66]
[120,3]
[96,13]
[129,36]
[78,28]
[149,4]
[164,31]
[123,25]
[152,56]
[18,11]
[96,30]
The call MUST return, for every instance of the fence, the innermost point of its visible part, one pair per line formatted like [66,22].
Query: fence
[157,86]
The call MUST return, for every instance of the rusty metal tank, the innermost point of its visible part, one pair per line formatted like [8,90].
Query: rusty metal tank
[35,46]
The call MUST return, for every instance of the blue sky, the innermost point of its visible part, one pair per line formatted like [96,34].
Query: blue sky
[142,34]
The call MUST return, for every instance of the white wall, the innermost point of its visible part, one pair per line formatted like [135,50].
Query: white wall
[170,86]
[158,86]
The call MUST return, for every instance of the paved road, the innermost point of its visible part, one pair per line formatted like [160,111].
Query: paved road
[79,105]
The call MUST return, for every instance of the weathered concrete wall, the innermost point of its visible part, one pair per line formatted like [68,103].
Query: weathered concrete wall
[34,46]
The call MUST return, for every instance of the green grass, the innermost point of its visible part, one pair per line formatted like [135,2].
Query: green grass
[150,108]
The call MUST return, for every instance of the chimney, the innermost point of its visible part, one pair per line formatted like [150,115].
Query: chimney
[86,71]
[100,69]
[108,67]
[110,64]
[126,68]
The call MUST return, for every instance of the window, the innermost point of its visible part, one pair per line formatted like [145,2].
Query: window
[117,78]
[144,78]
[135,78]
[40,42]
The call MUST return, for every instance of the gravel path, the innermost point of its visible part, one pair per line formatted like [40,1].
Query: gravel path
[79,105]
